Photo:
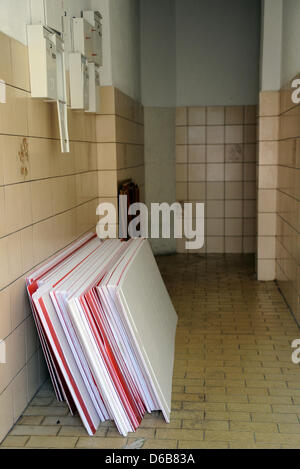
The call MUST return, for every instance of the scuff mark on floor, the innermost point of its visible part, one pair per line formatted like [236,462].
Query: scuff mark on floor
[137,444]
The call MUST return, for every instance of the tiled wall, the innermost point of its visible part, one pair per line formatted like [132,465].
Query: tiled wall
[42,209]
[51,203]
[288,202]
[279,193]
[216,164]
[267,172]
[120,133]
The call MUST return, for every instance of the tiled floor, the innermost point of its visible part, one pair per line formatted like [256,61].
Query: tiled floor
[235,385]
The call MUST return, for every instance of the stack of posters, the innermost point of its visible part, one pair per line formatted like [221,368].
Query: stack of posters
[107,328]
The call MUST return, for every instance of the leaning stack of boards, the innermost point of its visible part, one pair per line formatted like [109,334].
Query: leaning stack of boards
[107,328]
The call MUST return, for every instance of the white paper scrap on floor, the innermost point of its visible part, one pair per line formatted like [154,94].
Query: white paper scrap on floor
[107,328]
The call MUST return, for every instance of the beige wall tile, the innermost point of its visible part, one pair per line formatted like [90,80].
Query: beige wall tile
[268,128]
[287,153]
[32,340]
[197,153]
[250,152]
[6,412]
[14,113]
[6,369]
[106,129]
[5,314]
[12,164]
[250,208]
[215,154]
[233,245]
[215,244]
[41,200]
[266,270]
[27,248]
[215,209]
[249,172]
[82,126]
[181,173]
[42,154]
[126,132]
[33,381]
[107,156]
[215,134]
[289,123]
[249,244]
[266,224]
[6,65]
[249,227]
[20,308]
[234,134]
[266,247]
[18,213]
[233,208]
[107,99]
[233,172]
[215,227]
[215,172]
[20,65]
[3,225]
[181,116]
[267,177]
[85,158]
[107,181]
[4,263]
[250,116]
[250,191]
[268,153]
[234,153]
[196,172]
[181,153]
[181,191]
[233,227]
[196,135]
[297,155]
[42,119]
[267,200]
[269,103]
[196,116]
[128,108]
[250,134]
[125,106]
[234,115]
[215,190]
[43,240]
[181,136]
[196,191]
[20,401]
[18,358]
[215,115]
[14,254]
[63,193]
[234,190]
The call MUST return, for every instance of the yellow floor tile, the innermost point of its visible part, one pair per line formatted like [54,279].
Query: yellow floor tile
[14,442]
[211,435]
[101,443]
[160,444]
[202,445]
[289,428]
[51,442]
